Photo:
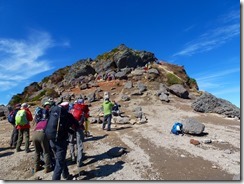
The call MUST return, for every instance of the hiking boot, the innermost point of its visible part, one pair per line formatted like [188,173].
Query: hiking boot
[48,169]
[69,177]
[108,129]
[37,168]
[18,150]
[28,151]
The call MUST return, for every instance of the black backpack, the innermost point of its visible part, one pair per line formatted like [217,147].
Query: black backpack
[57,125]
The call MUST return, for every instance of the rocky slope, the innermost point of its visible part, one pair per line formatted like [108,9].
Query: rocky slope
[139,70]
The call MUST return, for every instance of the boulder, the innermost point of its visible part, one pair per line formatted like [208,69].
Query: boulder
[179,90]
[125,98]
[138,72]
[208,103]
[164,97]
[141,87]
[191,126]
[121,75]
[153,71]
[128,85]
[116,151]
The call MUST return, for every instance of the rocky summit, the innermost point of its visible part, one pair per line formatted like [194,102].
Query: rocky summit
[140,71]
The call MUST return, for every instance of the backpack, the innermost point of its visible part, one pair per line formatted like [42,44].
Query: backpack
[41,125]
[20,118]
[56,127]
[177,128]
[38,114]
[78,112]
[11,118]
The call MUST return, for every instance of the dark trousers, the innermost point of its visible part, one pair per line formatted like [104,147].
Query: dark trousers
[23,132]
[107,120]
[79,144]
[41,145]
[60,148]
[14,137]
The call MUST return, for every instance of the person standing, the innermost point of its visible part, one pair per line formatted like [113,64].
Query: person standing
[14,136]
[107,111]
[58,127]
[22,121]
[41,143]
[80,112]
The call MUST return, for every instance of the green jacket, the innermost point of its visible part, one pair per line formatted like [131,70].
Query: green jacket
[107,107]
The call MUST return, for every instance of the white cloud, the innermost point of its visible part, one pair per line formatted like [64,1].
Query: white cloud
[217,80]
[22,59]
[213,38]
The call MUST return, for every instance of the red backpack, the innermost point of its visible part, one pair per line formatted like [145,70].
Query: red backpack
[79,111]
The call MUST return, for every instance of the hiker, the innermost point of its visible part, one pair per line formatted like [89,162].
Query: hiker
[22,121]
[11,119]
[42,113]
[42,146]
[80,112]
[107,111]
[57,130]
[115,109]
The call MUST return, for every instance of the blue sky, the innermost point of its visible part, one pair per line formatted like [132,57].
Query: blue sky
[38,37]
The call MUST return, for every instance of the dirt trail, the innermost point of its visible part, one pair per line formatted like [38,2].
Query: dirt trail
[153,153]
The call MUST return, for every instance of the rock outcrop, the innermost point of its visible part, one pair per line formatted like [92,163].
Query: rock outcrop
[208,103]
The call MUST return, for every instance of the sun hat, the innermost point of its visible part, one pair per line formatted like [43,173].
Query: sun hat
[24,105]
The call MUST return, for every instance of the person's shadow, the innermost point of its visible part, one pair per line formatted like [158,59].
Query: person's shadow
[102,171]
[6,154]
[95,138]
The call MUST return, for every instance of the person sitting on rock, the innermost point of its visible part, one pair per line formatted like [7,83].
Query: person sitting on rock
[115,109]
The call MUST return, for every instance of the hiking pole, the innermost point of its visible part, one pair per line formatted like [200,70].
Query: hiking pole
[56,137]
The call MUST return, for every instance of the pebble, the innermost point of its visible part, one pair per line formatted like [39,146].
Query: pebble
[214,167]
[207,141]
[183,156]
[227,151]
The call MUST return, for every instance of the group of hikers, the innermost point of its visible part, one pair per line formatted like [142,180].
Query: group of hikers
[56,126]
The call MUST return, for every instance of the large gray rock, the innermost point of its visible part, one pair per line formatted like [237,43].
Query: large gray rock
[191,126]
[179,90]
[153,71]
[128,85]
[208,103]
[141,87]
[164,97]
[121,75]
[125,98]
[138,72]
[3,111]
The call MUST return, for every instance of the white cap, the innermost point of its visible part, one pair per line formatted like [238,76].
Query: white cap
[63,104]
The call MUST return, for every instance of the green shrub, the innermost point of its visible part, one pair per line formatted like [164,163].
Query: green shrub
[172,79]
[38,97]
[15,99]
[51,93]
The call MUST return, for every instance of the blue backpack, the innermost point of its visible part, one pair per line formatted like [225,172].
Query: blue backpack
[38,114]
[177,128]
[11,118]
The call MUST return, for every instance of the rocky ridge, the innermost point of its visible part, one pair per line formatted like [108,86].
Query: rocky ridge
[136,72]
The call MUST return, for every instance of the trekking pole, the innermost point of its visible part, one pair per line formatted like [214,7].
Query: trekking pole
[56,137]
